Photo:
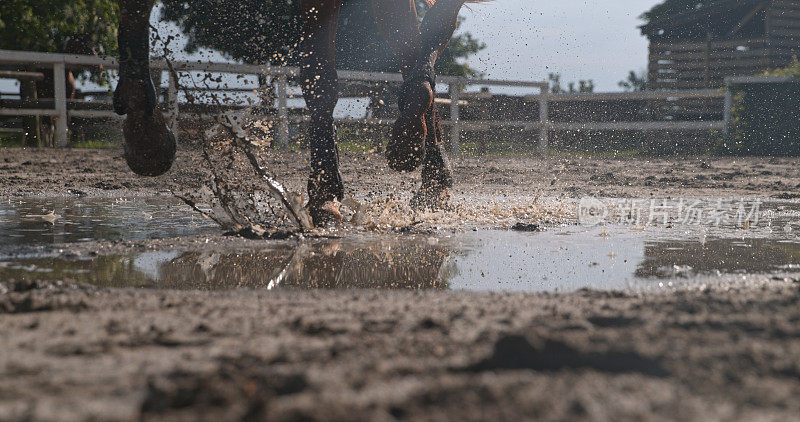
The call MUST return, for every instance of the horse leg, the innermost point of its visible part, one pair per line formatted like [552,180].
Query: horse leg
[398,25]
[437,174]
[149,144]
[406,148]
[320,90]
[134,58]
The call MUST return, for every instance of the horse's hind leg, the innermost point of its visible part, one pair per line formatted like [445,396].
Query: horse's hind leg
[319,82]
[397,22]
[437,175]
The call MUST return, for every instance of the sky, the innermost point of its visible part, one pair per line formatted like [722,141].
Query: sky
[580,39]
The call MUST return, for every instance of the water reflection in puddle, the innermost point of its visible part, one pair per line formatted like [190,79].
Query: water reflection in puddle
[566,258]
[35,221]
[561,259]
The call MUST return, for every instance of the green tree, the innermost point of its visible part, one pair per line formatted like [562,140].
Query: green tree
[253,31]
[453,58]
[636,81]
[258,31]
[43,25]
[793,70]
[584,86]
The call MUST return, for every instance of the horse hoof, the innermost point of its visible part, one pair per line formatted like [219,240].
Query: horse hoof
[406,148]
[326,214]
[149,144]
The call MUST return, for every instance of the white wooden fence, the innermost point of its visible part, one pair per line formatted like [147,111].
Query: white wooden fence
[280,77]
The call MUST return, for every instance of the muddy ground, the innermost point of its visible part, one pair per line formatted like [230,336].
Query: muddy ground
[103,172]
[713,352]
[83,353]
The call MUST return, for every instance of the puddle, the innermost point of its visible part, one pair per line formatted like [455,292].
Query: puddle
[555,260]
[558,259]
[37,221]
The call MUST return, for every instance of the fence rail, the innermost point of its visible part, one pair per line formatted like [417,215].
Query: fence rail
[280,77]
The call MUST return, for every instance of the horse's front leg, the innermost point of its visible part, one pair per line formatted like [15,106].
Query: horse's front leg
[149,144]
[135,90]
[319,82]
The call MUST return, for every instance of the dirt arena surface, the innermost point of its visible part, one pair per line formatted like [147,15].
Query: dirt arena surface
[716,352]
[84,353]
[103,172]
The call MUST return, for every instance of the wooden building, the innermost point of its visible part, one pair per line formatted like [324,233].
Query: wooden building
[698,49]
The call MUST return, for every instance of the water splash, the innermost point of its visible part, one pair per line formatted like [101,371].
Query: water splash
[253,208]
[234,148]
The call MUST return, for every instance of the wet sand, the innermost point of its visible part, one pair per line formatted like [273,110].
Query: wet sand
[714,352]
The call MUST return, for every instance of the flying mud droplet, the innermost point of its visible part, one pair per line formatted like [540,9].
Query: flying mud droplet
[358,210]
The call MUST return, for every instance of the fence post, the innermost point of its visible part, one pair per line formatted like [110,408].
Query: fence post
[544,120]
[455,127]
[60,91]
[728,107]
[172,103]
[283,112]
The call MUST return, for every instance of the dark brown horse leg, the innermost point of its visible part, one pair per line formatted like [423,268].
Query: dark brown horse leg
[398,25]
[406,149]
[149,144]
[397,22]
[134,58]
[437,175]
[319,82]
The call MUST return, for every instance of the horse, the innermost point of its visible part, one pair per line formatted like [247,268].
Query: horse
[76,44]
[416,134]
